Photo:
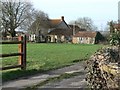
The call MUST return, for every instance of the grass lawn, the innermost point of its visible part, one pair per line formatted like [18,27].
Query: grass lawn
[43,57]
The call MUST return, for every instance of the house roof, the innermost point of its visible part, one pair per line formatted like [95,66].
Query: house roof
[60,32]
[55,22]
[68,32]
[86,34]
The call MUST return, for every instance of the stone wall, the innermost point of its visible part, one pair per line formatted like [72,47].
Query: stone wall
[103,69]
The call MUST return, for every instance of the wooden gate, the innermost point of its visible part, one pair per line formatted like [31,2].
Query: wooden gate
[21,53]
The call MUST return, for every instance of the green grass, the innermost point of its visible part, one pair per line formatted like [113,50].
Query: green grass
[43,57]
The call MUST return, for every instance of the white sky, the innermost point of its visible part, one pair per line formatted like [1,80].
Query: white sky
[100,11]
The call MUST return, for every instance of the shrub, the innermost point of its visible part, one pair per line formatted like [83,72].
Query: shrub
[115,38]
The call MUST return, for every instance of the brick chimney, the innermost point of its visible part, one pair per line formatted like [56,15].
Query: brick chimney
[62,17]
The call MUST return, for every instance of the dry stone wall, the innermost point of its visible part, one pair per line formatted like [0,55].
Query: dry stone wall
[103,69]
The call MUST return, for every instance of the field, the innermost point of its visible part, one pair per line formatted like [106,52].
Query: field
[43,57]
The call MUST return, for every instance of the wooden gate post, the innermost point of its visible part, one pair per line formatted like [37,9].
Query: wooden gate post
[21,53]
[20,50]
[24,52]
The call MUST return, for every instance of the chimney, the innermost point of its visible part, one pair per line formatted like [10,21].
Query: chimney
[62,17]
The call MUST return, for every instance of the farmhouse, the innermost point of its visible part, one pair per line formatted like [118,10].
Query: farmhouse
[87,37]
[59,30]
[59,35]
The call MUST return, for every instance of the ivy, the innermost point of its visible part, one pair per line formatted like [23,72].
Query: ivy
[115,38]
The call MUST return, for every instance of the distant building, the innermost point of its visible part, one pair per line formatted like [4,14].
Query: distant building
[59,30]
[87,37]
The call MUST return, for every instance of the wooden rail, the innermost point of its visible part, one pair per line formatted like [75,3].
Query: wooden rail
[11,54]
[13,42]
[21,53]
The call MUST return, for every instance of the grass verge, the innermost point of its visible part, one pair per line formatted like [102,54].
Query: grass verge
[45,57]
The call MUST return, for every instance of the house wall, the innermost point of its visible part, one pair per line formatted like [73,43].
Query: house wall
[84,40]
[57,38]
[62,38]
[74,40]
[32,37]
[53,38]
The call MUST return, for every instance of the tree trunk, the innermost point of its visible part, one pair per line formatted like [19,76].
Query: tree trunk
[4,34]
[13,32]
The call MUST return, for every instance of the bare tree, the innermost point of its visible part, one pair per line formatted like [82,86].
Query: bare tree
[30,18]
[85,23]
[13,15]
[41,23]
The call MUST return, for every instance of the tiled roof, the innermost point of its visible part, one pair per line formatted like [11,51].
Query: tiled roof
[86,34]
[55,22]
[60,32]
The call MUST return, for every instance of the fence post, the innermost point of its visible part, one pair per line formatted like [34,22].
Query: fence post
[24,53]
[20,50]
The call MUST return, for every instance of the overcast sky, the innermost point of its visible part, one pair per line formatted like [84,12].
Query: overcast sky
[100,11]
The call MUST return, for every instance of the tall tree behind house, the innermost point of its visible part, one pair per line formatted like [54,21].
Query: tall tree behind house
[85,23]
[40,23]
